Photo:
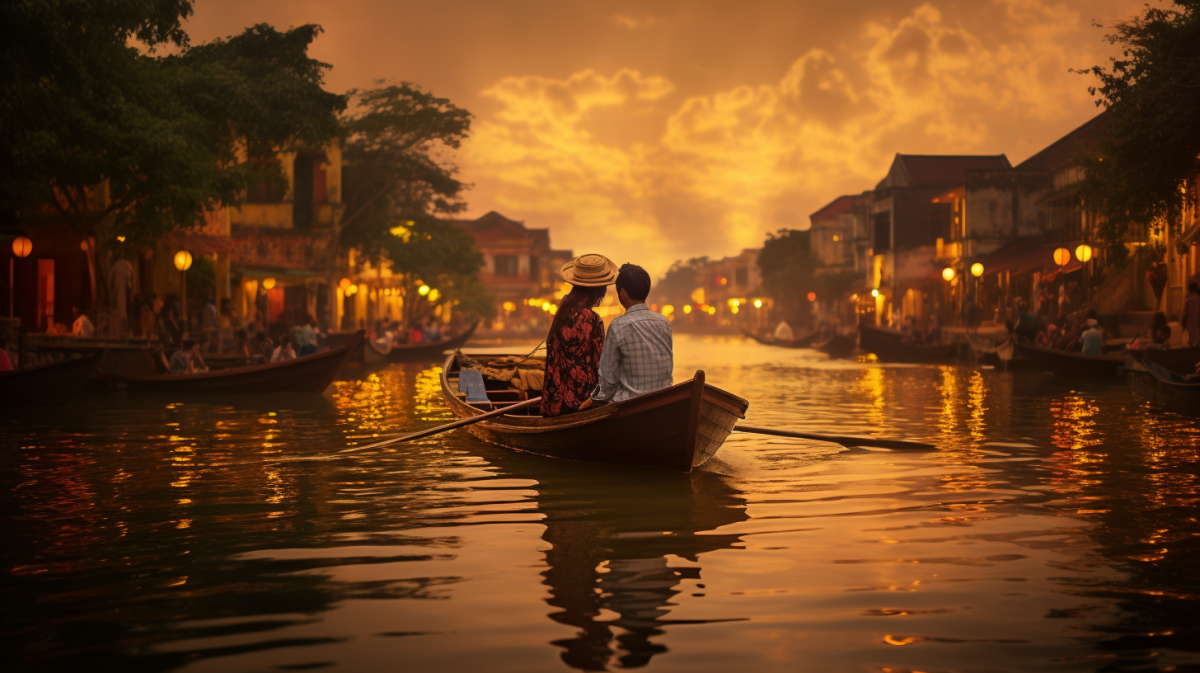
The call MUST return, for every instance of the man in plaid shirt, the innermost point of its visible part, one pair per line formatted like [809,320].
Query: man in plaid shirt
[637,356]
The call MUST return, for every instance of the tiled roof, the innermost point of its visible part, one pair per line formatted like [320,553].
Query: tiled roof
[925,170]
[834,208]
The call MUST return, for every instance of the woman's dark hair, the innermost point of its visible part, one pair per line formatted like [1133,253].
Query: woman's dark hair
[1160,318]
[634,280]
[1193,287]
[576,300]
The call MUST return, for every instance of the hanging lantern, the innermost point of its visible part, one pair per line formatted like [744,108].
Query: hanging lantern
[812,296]
[183,260]
[948,273]
[344,283]
[1062,256]
[977,269]
[22,246]
[1083,253]
[268,283]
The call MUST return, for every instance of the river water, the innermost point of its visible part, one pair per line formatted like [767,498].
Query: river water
[1056,529]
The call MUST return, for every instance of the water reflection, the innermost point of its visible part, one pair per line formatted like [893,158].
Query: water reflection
[624,543]
[1057,530]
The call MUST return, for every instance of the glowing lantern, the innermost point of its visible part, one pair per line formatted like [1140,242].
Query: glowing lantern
[508,305]
[22,246]
[948,273]
[1062,256]
[352,290]
[424,290]
[757,303]
[546,306]
[812,296]
[268,283]
[183,260]
[874,293]
[344,283]
[120,239]
[977,269]
[1083,253]
[433,295]
[687,308]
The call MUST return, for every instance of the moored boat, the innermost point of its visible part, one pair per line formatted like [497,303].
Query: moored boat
[1071,363]
[47,384]
[1175,359]
[375,353]
[1176,379]
[308,374]
[838,345]
[888,345]
[805,341]
[432,351]
[677,428]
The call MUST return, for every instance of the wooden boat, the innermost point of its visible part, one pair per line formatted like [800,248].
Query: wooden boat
[373,353]
[838,345]
[432,351]
[1173,379]
[47,384]
[888,345]
[1071,363]
[805,341]
[309,374]
[677,428]
[1174,359]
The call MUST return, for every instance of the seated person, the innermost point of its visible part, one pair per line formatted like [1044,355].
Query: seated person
[576,339]
[1160,331]
[184,361]
[639,350]
[284,351]
[1091,341]
[1049,338]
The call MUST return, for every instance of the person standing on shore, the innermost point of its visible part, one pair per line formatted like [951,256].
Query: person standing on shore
[1191,314]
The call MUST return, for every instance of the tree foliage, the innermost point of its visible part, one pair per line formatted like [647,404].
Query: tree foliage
[90,104]
[396,170]
[788,268]
[434,253]
[1152,96]
[677,285]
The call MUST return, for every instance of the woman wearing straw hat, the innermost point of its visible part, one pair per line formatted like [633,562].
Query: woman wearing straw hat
[576,336]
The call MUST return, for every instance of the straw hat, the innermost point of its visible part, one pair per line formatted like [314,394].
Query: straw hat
[589,271]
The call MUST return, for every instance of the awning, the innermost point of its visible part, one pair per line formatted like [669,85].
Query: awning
[278,273]
[1026,255]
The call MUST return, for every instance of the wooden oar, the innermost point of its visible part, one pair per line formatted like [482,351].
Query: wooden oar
[462,422]
[846,441]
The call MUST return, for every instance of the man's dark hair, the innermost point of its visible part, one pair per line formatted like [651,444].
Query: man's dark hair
[634,280]
[1194,288]
[188,344]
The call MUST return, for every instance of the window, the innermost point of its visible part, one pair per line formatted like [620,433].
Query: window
[507,265]
[883,232]
[741,276]
[534,269]
[265,190]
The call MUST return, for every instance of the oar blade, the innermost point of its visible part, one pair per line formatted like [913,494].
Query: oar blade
[842,440]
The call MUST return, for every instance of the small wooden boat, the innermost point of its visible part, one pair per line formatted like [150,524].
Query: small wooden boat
[677,428]
[47,384]
[1174,359]
[805,341]
[1071,363]
[432,351]
[1174,379]
[838,345]
[309,374]
[374,353]
[888,345]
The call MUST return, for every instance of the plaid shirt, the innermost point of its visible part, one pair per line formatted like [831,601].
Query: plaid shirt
[637,357]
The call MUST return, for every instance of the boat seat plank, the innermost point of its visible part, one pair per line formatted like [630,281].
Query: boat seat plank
[470,381]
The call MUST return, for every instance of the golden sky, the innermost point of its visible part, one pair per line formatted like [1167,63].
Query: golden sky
[652,131]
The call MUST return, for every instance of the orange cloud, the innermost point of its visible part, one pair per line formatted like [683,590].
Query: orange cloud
[725,167]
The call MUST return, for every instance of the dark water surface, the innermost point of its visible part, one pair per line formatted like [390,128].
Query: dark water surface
[1056,530]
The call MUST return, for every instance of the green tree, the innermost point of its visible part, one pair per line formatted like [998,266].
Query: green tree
[395,141]
[788,271]
[1146,168]
[432,253]
[680,281]
[90,108]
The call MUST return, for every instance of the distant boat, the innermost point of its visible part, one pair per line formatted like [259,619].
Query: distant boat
[888,345]
[1072,363]
[803,342]
[677,428]
[838,345]
[1175,359]
[47,384]
[431,351]
[308,374]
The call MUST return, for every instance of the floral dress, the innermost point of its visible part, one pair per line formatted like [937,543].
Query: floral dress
[572,364]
